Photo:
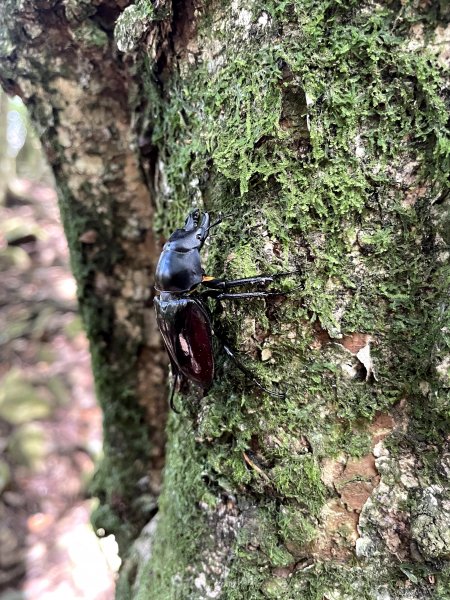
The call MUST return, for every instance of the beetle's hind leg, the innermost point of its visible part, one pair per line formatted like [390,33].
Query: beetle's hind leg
[249,374]
[178,385]
[172,393]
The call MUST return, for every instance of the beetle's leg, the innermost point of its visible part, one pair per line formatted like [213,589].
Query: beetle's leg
[249,374]
[237,295]
[219,295]
[172,393]
[223,284]
[218,221]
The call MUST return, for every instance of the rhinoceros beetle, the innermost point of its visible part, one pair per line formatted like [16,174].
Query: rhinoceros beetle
[181,312]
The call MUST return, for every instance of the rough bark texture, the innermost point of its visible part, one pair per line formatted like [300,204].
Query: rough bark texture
[321,127]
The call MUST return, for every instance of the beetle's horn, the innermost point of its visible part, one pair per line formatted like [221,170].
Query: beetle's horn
[205,221]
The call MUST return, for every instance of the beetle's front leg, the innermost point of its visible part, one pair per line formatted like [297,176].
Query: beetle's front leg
[223,284]
[240,295]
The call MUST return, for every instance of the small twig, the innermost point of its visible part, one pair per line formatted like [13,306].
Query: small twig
[256,468]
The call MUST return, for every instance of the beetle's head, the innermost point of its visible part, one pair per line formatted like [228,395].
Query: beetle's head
[193,234]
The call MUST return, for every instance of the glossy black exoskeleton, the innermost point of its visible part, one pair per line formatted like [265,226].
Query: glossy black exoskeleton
[181,312]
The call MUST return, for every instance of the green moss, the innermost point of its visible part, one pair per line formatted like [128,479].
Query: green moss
[329,186]
[184,532]
[270,544]
[275,587]
[312,583]
[442,590]
[354,441]
[299,477]
[125,446]
[7,43]
[114,362]
[296,526]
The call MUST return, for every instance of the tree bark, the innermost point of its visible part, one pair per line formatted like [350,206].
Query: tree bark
[320,128]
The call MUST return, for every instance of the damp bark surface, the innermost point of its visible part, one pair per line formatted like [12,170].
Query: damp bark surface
[321,129]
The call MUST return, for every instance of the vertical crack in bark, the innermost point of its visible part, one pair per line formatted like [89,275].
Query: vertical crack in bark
[184,26]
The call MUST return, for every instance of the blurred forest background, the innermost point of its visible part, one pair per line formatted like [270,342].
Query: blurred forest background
[50,426]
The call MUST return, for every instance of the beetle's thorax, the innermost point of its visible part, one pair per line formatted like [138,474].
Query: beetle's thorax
[179,267]
[178,271]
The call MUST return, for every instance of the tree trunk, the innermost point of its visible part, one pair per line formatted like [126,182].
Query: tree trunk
[62,60]
[319,128]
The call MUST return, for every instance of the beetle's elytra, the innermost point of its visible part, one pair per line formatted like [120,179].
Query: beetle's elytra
[181,311]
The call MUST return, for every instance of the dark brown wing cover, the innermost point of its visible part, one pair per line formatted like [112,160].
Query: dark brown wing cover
[186,330]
